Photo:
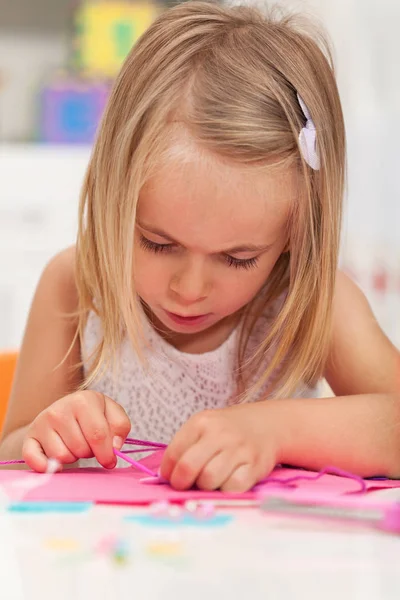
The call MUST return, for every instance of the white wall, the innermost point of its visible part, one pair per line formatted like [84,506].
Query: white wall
[39,191]
[367,47]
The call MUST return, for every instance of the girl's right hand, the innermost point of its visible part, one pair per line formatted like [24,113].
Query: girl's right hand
[81,425]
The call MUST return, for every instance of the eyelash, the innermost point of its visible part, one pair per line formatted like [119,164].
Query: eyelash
[244,263]
[153,247]
[236,263]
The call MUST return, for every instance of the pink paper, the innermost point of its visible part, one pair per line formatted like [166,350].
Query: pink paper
[123,486]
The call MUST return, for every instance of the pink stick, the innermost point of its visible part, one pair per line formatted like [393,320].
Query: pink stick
[135,464]
[138,450]
[135,442]
[314,477]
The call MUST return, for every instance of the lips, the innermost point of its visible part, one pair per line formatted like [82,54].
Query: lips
[189,320]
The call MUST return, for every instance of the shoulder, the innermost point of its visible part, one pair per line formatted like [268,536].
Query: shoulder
[58,279]
[62,267]
[361,357]
[50,349]
[348,296]
[352,317]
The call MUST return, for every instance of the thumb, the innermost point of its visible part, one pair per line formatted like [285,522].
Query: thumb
[118,422]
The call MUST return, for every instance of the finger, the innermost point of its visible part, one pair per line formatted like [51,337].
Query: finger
[74,439]
[242,479]
[33,455]
[186,437]
[118,422]
[192,463]
[97,432]
[217,471]
[54,447]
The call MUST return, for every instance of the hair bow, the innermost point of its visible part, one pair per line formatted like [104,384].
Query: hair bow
[308,139]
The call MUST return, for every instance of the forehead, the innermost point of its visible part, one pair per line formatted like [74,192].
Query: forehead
[206,202]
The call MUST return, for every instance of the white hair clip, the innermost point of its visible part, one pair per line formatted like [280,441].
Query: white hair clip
[308,139]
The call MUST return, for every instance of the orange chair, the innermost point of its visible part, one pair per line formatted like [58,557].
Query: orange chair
[8,361]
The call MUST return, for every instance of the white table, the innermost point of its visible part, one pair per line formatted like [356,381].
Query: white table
[57,557]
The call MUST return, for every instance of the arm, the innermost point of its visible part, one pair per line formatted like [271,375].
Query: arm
[360,429]
[40,380]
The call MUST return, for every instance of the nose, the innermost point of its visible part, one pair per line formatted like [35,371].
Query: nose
[189,284]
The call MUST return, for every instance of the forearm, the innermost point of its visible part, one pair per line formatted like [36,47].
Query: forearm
[11,444]
[357,433]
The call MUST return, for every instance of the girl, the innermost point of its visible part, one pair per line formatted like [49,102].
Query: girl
[204,277]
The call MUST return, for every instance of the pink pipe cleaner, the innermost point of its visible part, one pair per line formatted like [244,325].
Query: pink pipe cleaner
[147,446]
[139,450]
[144,443]
[315,477]
[135,464]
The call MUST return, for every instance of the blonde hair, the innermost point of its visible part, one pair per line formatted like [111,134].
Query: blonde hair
[232,75]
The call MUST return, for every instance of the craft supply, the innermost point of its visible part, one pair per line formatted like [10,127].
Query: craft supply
[120,552]
[186,520]
[154,480]
[382,516]
[191,506]
[206,510]
[175,512]
[159,508]
[165,549]
[123,486]
[127,486]
[135,463]
[49,507]
[62,544]
[106,544]
[303,476]
[145,443]
[23,486]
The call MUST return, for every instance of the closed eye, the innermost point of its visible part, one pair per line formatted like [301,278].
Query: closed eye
[241,263]
[153,246]
[231,261]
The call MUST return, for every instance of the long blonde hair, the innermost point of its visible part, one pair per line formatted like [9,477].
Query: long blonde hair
[232,75]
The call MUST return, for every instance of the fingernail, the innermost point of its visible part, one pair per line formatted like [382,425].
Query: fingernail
[118,442]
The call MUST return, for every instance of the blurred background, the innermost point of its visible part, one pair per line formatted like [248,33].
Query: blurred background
[58,59]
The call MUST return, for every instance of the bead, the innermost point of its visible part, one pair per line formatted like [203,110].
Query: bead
[206,510]
[160,509]
[191,506]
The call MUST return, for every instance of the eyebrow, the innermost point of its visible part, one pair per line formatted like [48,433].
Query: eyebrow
[235,250]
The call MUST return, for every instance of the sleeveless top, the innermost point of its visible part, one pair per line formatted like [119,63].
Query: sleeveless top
[160,395]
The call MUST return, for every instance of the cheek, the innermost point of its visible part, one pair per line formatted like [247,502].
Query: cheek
[150,273]
[236,289]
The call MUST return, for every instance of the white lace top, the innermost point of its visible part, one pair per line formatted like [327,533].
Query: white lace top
[161,397]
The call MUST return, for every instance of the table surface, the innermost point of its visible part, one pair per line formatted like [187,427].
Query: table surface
[55,556]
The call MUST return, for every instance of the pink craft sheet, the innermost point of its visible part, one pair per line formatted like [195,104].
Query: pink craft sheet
[123,486]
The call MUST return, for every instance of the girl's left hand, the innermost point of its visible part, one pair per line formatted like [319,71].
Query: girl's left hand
[229,449]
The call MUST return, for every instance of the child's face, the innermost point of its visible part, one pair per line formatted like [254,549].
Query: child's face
[208,235]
